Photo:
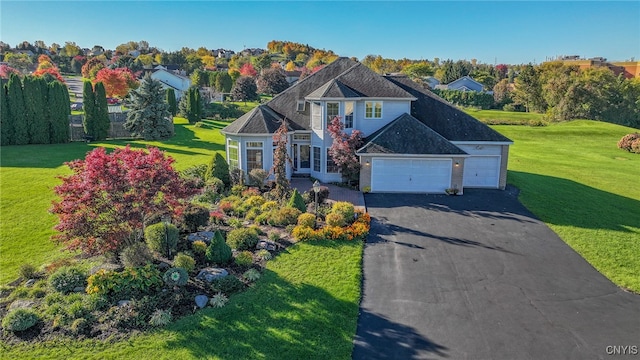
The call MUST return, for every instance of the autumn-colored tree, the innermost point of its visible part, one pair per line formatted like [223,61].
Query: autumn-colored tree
[291,66]
[49,71]
[248,70]
[77,62]
[105,201]
[343,149]
[280,160]
[6,71]
[117,82]
[90,68]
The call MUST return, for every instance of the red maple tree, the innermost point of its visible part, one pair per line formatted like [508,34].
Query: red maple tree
[117,82]
[343,149]
[106,200]
[46,66]
[248,70]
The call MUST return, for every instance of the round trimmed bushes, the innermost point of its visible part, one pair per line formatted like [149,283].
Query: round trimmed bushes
[627,142]
[306,219]
[20,320]
[242,239]
[66,279]
[184,261]
[244,258]
[345,210]
[162,237]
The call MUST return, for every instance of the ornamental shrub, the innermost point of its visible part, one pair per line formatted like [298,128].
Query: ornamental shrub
[28,271]
[218,168]
[284,216]
[130,283]
[323,194]
[251,275]
[257,177]
[228,285]
[254,201]
[265,255]
[304,233]
[64,280]
[199,247]
[160,318]
[175,277]
[251,191]
[627,140]
[135,255]
[184,261]
[306,219]
[333,219]
[244,258]
[635,146]
[269,205]
[296,201]
[345,210]
[20,320]
[252,213]
[218,251]
[162,237]
[80,326]
[218,300]
[195,216]
[242,239]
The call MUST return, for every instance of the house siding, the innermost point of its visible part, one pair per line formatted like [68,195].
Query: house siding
[504,159]
[181,84]
[391,109]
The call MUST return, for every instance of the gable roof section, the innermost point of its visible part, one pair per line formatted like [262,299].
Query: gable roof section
[408,135]
[260,120]
[333,89]
[447,120]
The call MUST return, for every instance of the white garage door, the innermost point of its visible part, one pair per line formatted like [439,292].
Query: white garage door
[481,171]
[410,175]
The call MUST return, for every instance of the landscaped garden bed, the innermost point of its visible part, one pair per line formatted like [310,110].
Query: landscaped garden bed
[212,243]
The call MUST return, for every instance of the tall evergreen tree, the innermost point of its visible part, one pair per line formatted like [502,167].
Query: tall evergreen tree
[171,100]
[17,111]
[58,113]
[5,125]
[101,109]
[191,106]
[89,101]
[149,116]
[37,126]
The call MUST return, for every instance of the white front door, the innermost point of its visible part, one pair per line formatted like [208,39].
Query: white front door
[410,175]
[302,158]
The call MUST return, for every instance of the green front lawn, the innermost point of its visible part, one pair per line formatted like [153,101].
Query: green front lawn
[305,306]
[28,175]
[575,179]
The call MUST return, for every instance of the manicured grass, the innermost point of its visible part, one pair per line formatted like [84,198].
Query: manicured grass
[28,175]
[574,178]
[304,307]
[499,117]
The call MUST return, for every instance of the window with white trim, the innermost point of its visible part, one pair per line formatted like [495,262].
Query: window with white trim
[302,137]
[254,155]
[373,109]
[232,149]
[331,166]
[316,115]
[333,110]
[349,107]
[316,159]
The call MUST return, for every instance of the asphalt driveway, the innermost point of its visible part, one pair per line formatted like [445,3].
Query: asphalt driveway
[479,277]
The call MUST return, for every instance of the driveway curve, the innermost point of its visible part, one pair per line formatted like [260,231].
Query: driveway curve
[479,277]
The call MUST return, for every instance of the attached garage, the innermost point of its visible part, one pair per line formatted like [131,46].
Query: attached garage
[410,175]
[481,172]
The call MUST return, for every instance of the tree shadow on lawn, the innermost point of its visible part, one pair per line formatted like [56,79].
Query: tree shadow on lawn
[274,320]
[566,202]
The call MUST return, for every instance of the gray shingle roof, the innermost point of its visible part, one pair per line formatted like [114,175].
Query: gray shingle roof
[334,89]
[260,120]
[449,121]
[408,135]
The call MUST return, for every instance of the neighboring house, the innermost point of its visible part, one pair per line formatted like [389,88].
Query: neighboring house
[134,53]
[179,83]
[465,83]
[415,141]
[292,76]
[96,50]
[431,82]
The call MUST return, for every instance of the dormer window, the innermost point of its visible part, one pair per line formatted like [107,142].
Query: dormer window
[300,105]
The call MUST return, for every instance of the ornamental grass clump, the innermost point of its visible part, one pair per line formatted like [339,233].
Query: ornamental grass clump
[64,280]
[160,318]
[218,300]
[251,275]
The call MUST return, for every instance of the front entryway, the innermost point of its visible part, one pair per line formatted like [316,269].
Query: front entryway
[301,158]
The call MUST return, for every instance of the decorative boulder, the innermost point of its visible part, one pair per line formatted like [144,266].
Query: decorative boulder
[22,304]
[201,301]
[210,274]
[205,236]
[30,283]
[124,303]
[266,245]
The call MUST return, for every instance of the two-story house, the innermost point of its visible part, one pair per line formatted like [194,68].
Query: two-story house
[415,142]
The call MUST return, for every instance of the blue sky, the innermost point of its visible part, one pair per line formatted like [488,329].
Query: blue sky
[499,31]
